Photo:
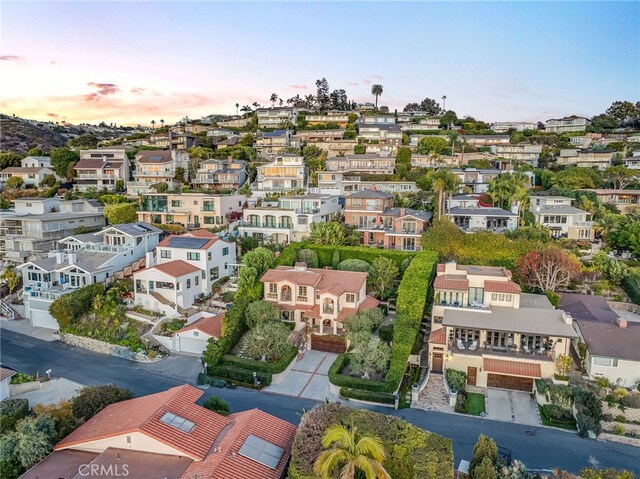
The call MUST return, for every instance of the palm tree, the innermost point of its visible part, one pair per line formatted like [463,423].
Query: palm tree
[162,123]
[309,100]
[153,124]
[237,106]
[606,225]
[273,99]
[246,109]
[377,91]
[351,452]
[444,102]
[281,101]
[256,105]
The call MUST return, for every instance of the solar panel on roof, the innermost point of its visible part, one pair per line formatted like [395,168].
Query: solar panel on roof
[194,243]
[261,451]
[156,158]
[178,422]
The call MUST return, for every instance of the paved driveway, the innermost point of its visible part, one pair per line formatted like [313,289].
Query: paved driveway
[512,406]
[308,377]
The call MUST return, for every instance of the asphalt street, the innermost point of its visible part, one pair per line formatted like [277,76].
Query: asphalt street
[537,447]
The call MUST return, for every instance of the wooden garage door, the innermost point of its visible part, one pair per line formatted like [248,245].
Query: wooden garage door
[328,343]
[510,382]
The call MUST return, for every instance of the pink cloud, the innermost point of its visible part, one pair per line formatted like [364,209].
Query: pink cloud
[352,83]
[103,89]
[366,82]
[11,58]
[138,90]
[53,115]
[378,77]
[298,87]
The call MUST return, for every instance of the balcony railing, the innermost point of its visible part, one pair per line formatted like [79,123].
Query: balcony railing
[460,304]
[328,310]
[285,297]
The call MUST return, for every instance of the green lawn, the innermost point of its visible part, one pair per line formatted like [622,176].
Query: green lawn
[475,403]
[548,422]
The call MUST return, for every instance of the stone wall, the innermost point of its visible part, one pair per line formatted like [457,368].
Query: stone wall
[15,389]
[101,347]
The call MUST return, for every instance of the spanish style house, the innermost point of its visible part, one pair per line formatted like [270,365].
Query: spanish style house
[290,218]
[321,299]
[557,214]
[84,259]
[101,169]
[384,225]
[484,325]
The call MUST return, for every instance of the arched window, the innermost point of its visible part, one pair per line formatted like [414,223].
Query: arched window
[285,293]
[328,306]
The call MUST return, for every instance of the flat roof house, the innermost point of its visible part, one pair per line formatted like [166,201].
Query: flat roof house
[567,124]
[368,163]
[584,158]
[557,214]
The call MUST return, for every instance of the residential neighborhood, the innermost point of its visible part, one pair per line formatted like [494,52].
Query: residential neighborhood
[366,259]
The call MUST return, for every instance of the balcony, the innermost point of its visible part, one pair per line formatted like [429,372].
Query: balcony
[328,310]
[285,297]
[457,304]
[502,352]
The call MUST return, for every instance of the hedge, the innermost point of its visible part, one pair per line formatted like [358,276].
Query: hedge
[239,375]
[349,381]
[11,411]
[289,255]
[631,285]
[386,333]
[373,396]
[261,366]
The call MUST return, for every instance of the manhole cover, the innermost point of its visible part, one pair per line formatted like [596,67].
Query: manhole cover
[529,432]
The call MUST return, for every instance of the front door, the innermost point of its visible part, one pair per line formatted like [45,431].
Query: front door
[472,375]
[436,367]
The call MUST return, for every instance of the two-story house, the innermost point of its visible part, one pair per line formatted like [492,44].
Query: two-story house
[567,124]
[557,214]
[368,163]
[287,172]
[191,210]
[622,199]
[84,259]
[101,169]
[466,213]
[305,137]
[290,218]
[321,299]
[519,153]
[277,117]
[377,119]
[273,142]
[633,162]
[424,124]
[600,159]
[32,170]
[505,126]
[226,174]
[476,179]
[34,226]
[337,147]
[155,167]
[485,140]
[483,324]
[384,225]
[183,269]
[339,183]
[340,118]
[380,137]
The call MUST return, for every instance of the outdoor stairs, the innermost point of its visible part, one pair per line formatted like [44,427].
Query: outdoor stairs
[7,310]
[161,299]
[424,363]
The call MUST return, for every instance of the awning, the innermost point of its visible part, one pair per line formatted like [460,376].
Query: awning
[512,368]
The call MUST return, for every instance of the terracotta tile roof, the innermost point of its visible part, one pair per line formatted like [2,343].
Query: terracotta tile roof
[450,281]
[143,415]
[201,234]
[512,368]
[175,268]
[440,267]
[228,463]
[6,373]
[369,303]
[502,287]
[439,336]
[209,325]
[322,279]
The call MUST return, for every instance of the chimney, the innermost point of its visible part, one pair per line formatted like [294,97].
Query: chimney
[567,318]
[451,267]
[149,259]
[622,323]
[72,258]
[300,266]
[59,257]
[515,209]
[403,211]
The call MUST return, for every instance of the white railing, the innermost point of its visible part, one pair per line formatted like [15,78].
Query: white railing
[7,310]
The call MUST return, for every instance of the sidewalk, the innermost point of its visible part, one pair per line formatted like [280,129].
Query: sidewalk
[23,326]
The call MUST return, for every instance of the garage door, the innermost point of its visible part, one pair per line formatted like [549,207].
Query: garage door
[328,343]
[191,345]
[516,383]
[42,319]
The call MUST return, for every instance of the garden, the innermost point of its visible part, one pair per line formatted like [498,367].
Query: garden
[466,402]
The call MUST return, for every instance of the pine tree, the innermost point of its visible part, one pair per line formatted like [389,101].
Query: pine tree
[484,470]
[485,448]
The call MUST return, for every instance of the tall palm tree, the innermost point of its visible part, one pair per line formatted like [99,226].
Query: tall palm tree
[444,103]
[273,99]
[377,91]
[351,452]
[237,106]
[256,105]
[606,224]
[162,123]
[153,124]
[246,109]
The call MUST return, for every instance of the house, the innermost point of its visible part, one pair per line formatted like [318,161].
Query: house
[485,140]
[422,116]
[182,141]
[159,140]
[368,163]
[273,142]
[600,159]
[633,162]
[157,166]
[277,117]
[505,126]
[219,132]
[36,162]
[5,379]
[305,137]
[613,343]
[557,214]
[366,106]
[191,210]
[377,119]
[226,174]
[581,141]
[340,118]
[336,147]
[194,337]
[438,161]
[320,299]
[339,183]
[31,176]
[483,324]
[519,153]
[380,137]
[101,169]
[226,143]
[290,219]
[479,218]
[234,122]
[287,172]
[35,224]
[168,436]
[81,260]
[567,124]
[622,199]
[476,179]
[424,124]
[384,225]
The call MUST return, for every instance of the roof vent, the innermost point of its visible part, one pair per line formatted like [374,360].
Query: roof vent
[567,318]
[622,323]
[300,266]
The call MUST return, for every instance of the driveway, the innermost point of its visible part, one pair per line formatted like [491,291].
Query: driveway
[512,406]
[308,377]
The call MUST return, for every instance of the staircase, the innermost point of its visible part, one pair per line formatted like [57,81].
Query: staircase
[424,366]
[162,300]
[7,310]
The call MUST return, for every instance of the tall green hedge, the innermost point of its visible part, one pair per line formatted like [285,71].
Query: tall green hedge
[325,254]
[631,285]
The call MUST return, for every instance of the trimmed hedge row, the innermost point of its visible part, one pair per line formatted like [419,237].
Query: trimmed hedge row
[261,366]
[373,396]
[239,375]
[349,381]
[631,285]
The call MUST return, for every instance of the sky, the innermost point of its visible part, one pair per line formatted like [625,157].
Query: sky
[133,62]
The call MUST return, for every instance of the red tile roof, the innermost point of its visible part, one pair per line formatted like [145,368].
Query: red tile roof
[448,281]
[209,325]
[512,368]
[334,281]
[143,415]
[176,268]
[201,234]
[502,287]
[439,336]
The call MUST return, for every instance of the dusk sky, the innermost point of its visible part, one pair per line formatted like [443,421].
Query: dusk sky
[133,62]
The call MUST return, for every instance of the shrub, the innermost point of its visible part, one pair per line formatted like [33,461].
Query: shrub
[632,400]
[262,366]
[354,265]
[603,382]
[93,399]
[386,333]
[239,375]
[456,379]
[309,257]
[21,378]
[290,254]
[11,411]
[215,404]
[372,396]
[485,449]
[558,413]
[349,381]
[70,308]
[618,430]
[260,312]
[335,260]
[461,402]
[203,379]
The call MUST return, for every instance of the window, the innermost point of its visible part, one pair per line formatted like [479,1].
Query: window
[165,253]
[193,256]
[302,291]
[225,251]
[351,298]
[197,280]
[273,288]
[494,296]
[188,283]
[209,256]
[609,362]
[508,297]
[175,203]
[501,297]
[215,273]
